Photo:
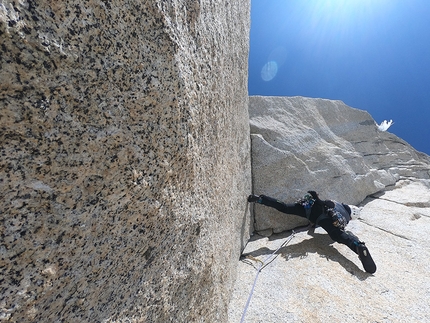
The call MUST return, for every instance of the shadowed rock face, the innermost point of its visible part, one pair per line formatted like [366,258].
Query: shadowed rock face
[124,159]
[301,144]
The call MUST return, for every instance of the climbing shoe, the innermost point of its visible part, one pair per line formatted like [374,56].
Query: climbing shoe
[365,257]
[362,249]
[254,198]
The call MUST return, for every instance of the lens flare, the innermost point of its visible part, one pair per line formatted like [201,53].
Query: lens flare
[269,71]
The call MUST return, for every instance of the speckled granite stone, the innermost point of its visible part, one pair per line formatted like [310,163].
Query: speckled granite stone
[125,159]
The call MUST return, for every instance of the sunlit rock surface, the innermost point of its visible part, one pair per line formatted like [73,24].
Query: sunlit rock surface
[313,279]
[301,144]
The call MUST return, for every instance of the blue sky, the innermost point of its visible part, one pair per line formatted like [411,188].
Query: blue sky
[373,55]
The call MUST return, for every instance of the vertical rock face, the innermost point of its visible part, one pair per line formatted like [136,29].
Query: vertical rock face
[124,159]
[301,144]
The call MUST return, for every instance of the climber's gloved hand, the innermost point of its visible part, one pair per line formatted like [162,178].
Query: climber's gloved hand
[316,197]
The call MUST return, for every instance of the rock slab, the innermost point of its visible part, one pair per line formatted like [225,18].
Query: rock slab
[125,159]
[313,279]
[301,144]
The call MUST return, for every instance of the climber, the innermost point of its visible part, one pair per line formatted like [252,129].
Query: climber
[332,216]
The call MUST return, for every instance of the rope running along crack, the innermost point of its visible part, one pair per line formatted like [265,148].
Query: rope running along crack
[262,265]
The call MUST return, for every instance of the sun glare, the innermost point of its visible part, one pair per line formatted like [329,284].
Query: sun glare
[323,24]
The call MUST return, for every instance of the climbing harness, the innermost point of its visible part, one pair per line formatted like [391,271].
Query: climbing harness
[337,214]
[262,265]
[339,220]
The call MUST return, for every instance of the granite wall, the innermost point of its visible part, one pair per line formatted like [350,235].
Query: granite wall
[125,159]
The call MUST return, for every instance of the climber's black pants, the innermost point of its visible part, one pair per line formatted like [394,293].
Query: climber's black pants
[325,222]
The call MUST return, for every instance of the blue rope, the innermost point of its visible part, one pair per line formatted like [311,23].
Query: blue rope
[260,268]
[250,295]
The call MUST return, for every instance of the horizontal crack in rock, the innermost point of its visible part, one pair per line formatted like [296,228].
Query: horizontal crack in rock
[387,231]
[409,204]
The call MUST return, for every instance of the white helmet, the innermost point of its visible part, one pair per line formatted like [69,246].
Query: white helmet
[355,212]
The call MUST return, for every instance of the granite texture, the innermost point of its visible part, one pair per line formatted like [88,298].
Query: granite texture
[125,159]
[301,144]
